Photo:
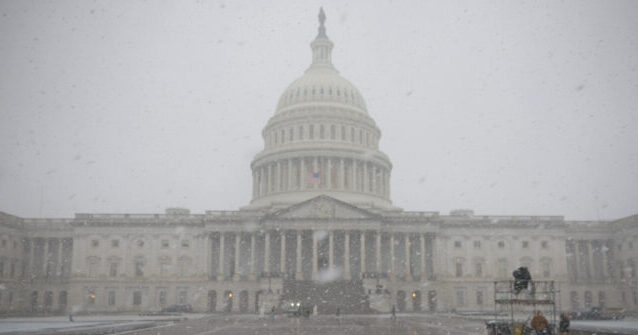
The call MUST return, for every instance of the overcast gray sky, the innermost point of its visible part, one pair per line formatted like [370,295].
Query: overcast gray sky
[514,108]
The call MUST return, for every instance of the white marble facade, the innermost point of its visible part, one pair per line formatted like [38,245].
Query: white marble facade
[321,217]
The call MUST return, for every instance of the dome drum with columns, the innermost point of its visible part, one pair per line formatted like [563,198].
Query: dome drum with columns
[321,140]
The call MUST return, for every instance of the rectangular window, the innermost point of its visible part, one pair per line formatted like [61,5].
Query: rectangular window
[137,298]
[479,298]
[183,297]
[477,244]
[162,298]
[459,269]
[457,244]
[525,244]
[185,243]
[478,269]
[544,244]
[501,244]
[113,270]
[115,243]
[111,298]
[164,269]
[546,270]
[95,243]
[139,268]
[165,244]
[460,297]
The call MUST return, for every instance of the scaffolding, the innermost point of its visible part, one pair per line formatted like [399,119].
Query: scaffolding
[521,305]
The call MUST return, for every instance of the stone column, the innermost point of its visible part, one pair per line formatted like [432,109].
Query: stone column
[354,175]
[289,186]
[374,179]
[315,184]
[378,251]
[408,273]
[423,274]
[277,179]
[331,250]
[58,265]
[298,270]
[282,258]
[302,173]
[270,181]
[387,184]
[252,257]
[267,253]
[236,275]
[220,271]
[329,174]
[365,176]
[392,267]
[346,256]
[315,264]
[342,172]
[363,253]
[45,256]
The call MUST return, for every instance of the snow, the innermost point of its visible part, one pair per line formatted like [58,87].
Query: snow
[606,324]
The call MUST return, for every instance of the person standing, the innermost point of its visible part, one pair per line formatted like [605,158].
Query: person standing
[394,313]
[563,325]
[539,324]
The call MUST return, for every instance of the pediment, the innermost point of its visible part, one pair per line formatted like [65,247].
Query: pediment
[323,207]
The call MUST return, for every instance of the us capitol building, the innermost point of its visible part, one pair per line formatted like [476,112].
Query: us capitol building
[320,229]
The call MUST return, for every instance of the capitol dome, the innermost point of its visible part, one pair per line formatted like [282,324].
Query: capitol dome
[321,141]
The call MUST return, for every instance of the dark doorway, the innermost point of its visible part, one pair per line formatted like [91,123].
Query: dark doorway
[228,303]
[401,301]
[212,301]
[432,301]
[34,301]
[62,301]
[257,296]
[416,301]
[243,301]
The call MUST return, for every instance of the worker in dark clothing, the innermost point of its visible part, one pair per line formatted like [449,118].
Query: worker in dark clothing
[563,325]
[394,313]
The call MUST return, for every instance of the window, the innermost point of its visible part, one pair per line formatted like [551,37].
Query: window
[137,298]
[460,297]
[321,132]
[525,244]
[139,243]
[111,298]
[459,268]
[479,297]
[1,269]
[93,264]
[502,268]
[478,269]
[332,132]
[501,244]
[343,131]
[182,298]
[165,268]
[95,243]
[477,244]
[185,243]
[352,134]
[573,298]
[311,131]
[630,245]
[4,243]
[588,299]
[91,297]
[457,244]
[162,298]
[139,268]
[113,269]
[601,299]
[301,132]
[546,269]
[544,244]
[165,244]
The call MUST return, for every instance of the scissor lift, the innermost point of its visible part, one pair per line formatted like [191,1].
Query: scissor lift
[521,307]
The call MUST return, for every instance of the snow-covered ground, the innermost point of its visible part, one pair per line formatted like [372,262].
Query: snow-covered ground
[32,324]
[619,325]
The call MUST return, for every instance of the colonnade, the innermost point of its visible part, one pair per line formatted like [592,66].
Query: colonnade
[48,257]
[321,173]
[309,255]
[590,260]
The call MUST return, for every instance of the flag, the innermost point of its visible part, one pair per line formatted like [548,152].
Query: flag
[313,178]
